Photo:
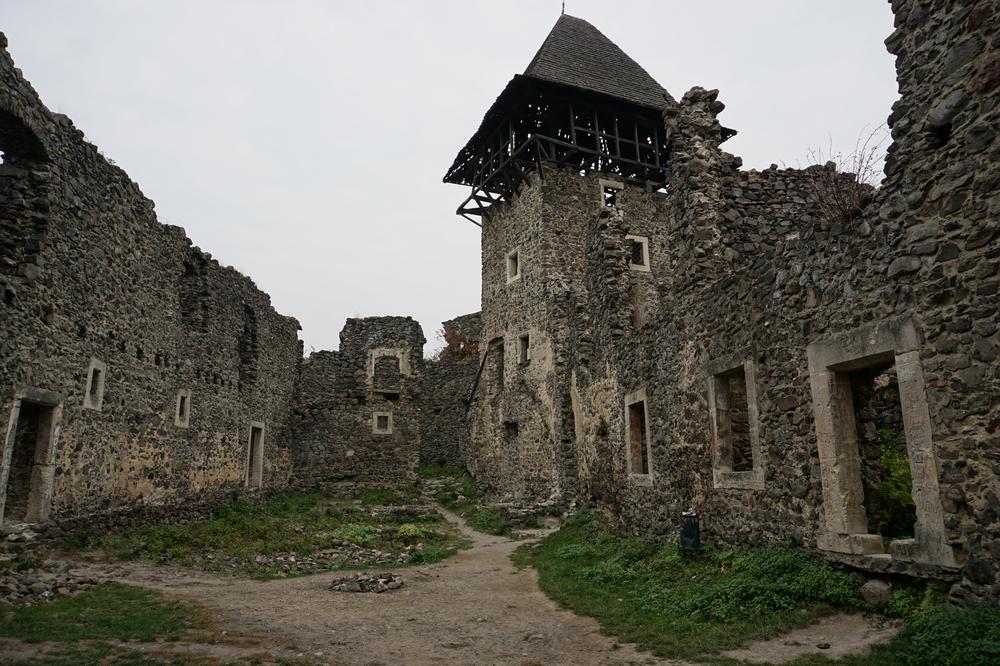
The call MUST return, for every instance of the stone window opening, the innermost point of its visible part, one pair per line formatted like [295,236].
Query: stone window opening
[638,253]
[609,192]
[524,349]
[858,363]
[637,434]
[737,458]
[28,472]
[382,423]
[94,396]
[255,456]
[182,412]
[387,376]
[513,265]
[499,366]
[511,430]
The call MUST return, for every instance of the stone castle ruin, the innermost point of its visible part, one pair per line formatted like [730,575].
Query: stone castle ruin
[660,329]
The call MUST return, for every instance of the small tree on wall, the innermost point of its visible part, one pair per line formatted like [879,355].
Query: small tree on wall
[845,183]
[456,348]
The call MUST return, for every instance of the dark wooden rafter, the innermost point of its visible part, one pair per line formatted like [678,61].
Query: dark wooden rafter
[550,126]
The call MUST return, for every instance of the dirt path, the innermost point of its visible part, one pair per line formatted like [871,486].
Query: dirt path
[474,608]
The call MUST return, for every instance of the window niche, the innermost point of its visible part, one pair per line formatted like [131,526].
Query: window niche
[182,409]
[849,375]
[386,368]
[524,349]
[255,455]
[499,369]
[737,458]
[382,423]
[639,447]
[638,253]
[93,397]
[513,265]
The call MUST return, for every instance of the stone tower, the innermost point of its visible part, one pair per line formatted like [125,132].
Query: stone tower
[579,131]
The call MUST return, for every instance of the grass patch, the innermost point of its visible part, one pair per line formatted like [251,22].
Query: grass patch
[105,654]
[440,471]
[692,607]
[682,607]
[299,524]
[936,635]
[460,495]
[106,612]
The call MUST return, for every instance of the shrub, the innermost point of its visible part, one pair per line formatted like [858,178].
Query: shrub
[410,533]
[359,535]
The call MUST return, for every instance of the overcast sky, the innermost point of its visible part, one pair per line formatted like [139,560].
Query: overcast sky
[304,141]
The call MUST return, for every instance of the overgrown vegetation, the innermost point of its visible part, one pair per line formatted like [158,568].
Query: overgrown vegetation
[246,538]
[846,184]
[107,612]
[686,606]
[897,513]
[458,493]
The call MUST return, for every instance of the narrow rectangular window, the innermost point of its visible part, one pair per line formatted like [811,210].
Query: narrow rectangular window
[513,265]
[610,196]
[733,421]
[610,189]
[95,378]
[182,412]
[638,446]
[523,347]
[638,252]
[93,397]
[737,461]
[255,458]
[500,367]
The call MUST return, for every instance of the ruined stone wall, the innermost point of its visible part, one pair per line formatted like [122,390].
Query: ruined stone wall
[91,280]
[448,381]
[761,278]
[335,431]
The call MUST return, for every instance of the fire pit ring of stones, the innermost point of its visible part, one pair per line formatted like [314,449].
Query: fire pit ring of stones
[363,582]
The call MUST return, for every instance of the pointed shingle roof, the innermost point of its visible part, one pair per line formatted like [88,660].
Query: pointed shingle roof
[577,54]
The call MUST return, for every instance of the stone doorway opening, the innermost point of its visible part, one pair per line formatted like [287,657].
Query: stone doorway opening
[28,458]
[858,380]
[884,461]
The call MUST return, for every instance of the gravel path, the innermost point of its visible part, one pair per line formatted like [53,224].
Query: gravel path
[474,608]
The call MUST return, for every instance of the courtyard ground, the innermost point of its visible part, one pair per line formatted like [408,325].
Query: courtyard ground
[476,607]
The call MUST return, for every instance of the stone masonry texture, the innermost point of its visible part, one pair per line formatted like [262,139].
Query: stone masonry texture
[766,320]
[748,269]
